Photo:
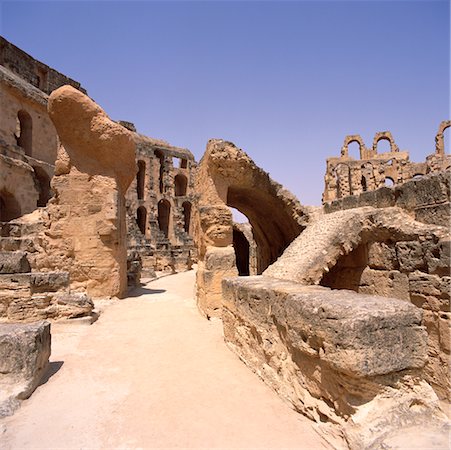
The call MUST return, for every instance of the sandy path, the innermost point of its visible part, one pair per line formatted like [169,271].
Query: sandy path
[151,372]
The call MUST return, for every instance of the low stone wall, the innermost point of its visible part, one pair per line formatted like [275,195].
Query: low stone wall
[24,358]
[427,198]
[338,357]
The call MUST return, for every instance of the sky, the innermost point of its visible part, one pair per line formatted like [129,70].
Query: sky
[285,81]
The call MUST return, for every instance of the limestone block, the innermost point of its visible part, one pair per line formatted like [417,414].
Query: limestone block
[382,256]
[49,281]
[385,283]
[434,214]
[14,262]
[410,256]
[74,304]
[24,356]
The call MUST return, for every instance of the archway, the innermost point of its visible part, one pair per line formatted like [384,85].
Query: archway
[242,252]
[186,207]
[45,192]
[141,219]
[389,182]
[164,214]
[24,132]
[140,179]
[180,182]
[9,207]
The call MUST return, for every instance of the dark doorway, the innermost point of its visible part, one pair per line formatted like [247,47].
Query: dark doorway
[141,218]
[164,211]
[241,246]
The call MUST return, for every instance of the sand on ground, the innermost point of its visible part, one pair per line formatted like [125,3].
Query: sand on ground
[152,373]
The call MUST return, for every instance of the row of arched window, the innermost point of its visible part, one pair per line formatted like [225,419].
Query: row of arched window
[164,215]
[180,180]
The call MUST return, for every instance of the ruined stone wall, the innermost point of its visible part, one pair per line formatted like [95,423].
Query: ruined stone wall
[346,176]
[160,205]
[32,71]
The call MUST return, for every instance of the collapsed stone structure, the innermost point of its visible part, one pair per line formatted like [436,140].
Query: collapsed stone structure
[344,310]
[348,176]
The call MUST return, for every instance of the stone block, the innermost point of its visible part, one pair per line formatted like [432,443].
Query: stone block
[382,256]
[14,262]
[24,357]
[434,214]
[410,256]
[73,305]
[49,281]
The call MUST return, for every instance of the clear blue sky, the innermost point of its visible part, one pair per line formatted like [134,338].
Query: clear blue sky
[285,81]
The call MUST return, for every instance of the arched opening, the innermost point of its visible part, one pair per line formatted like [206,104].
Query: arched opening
[160,157]
[242,252]
[181,183]
[24,131]
[354,149]
[183,163]
[363,183]
[140,179]
[383,146]
[186,206]
[164,213]
[418,176]
[389,182]
[45,192]
[141,219]
[9,207]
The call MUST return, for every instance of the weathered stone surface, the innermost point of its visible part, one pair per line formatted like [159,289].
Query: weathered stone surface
[49,281]
[350,359]
[24,356]
[76,304]
[226,176]
[14,262]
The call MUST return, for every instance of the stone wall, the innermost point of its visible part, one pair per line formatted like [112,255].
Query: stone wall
[160,202]
[32,71]
[346,176]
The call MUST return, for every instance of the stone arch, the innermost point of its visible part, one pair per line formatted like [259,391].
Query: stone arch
[141,219]
[43,181]
[140,179]
[352,138]
[242,252]
[227,177]
[9,207]
[164,216]
[389,182]
[180,185]
[159,154]
[386,135]
[439,138]
[24,132]
[186,207]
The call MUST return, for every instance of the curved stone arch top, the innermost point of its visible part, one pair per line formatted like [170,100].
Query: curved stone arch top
[439,141]
[352,138]
[380,135]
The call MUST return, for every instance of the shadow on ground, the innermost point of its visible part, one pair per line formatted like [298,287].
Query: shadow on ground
[137,292]
[54,366]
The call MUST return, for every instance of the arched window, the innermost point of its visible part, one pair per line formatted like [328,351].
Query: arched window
[164,212]
[160,157]
[140,179]
[24,132]
[363,183]
[180,185]
[383,145]
[9,207]
[186,206]
[45,192]
[389,182]
[141,218]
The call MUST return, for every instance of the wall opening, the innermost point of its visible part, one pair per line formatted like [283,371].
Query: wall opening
[354,150]
[183,163]
[186,206]
[140,179]
[160,157]
[383,146]
[242,252]
[389,182]
[43,180]
[181,183]
[164,213]
[363,183]
[24,131]
[141,219]
[9,207]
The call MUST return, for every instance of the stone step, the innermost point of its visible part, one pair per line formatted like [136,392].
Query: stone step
[12,244]
[14,262]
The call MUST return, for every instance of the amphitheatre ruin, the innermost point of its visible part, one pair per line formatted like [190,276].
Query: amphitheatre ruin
[337,317]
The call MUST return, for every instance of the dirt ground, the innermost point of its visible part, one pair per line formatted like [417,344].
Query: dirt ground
[152,373]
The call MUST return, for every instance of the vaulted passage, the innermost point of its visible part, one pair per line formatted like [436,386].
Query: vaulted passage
[186,206]
[181,183]
[9,207]
[140,179]
[141,219]
[24,132]
[164,213]
[45,191]
[241,246]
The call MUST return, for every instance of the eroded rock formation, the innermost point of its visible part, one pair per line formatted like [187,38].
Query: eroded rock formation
[226,176]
